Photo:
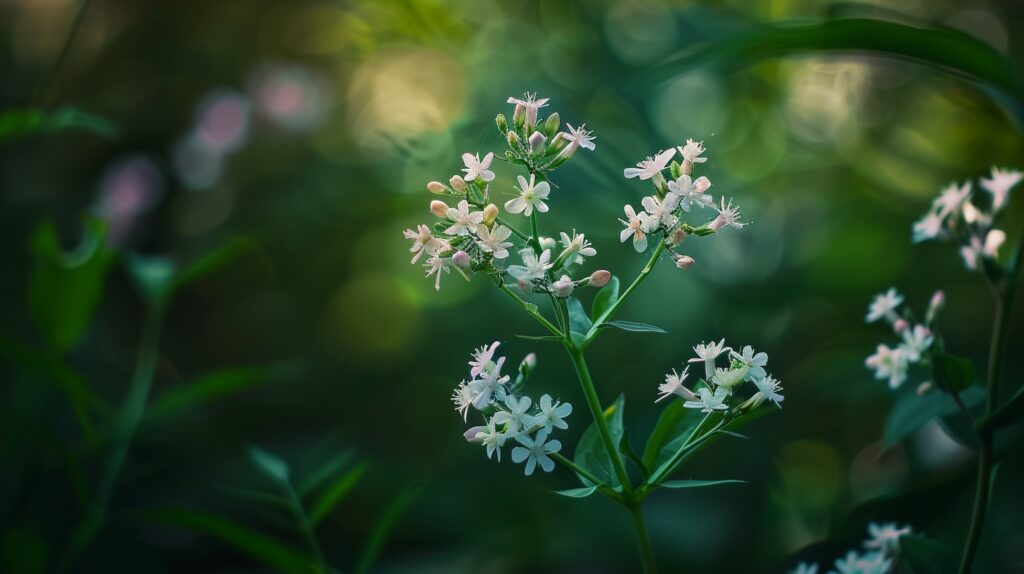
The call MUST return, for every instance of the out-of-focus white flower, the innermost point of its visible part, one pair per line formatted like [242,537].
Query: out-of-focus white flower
[973,215]
[708,401]
[482,359]
[637,227]
[492,240]
[435,265]
[916,341]
[490,385]
[578,138]
[552,413]
[768,388]
[465,221]
[463,397]
[951,199]
[651,167]
[515,419]
[563,287]
[535,452]
[999,185]
[884,305]
[707,353]
[673,385]
[937,302]
[728,216]
[805,568]
[533,267]
[976,249]
[889,364]
[531,196]
[576,245]
[661,210]
[691,192]
[754,362]
[528,105]
[931,226]
[222,121]
[885,538]
[692,150]
[478,168]
[423,241]
[291,97]
[870,563]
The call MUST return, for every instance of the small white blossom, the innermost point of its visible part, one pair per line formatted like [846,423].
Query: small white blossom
[976,249]
[576,245]
[578,138]
[889,364]
[515,418]
[491,438]
[478,168]
[493,240]
[535,452]
[931,226]
[708,352]
[529,104]
[951,199]
[728,216]
[465,221]
[423,241]
[805,568]
[661,210]
[673,385]
[872,563]
[884,305]
[692,150]
[768,388]
[999,185]
[885,538]
[435,265]
[651,167]
[916,341]
[729,378]
[691,192]
[563,287]
[708,401]
[482,359]
[754,362]
[531,196]
[552,413]
[490,385]
[463,397]
[533,267]
[637,227]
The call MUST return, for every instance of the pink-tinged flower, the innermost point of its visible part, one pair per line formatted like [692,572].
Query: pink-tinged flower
[528,106]
[661,210]
[889,364]
[673,385]
[684,261]
[728,216]
[423,241]
[465,221]
[692,150]
[952,199]
[691,192]
[478,168]
[651,167]
[491,384]
[976,248]
[884,306]
[999,185]
[931,226]
[563,287]
[578,138]
[492,240]
[482,359]
[637,227]
[600,277]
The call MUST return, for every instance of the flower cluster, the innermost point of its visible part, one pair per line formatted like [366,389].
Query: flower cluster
[472,236]
[716,391]
[960,215]
[510,415]
[664,211]
[916,339]
[881,549]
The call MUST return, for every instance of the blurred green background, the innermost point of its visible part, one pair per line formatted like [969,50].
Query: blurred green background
[309,128]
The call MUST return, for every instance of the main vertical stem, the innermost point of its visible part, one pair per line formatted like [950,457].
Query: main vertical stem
[642,540]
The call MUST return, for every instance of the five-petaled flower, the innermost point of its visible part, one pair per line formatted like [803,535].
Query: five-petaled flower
[691,191]
[535,451]
[884,305]
[552,413]
[478,168]
[637,227]
[576,245]
[889,364]
[533,267]
[999,185]
[651,167]
[578,138]
[492,240]
[465,221]
[531,195]
[754,362]
[423,241]
[708,401]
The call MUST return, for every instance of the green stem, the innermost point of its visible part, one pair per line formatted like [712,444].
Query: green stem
[124,431]
[536,236]
[602,488]
[610,311]
[643,540]
[531,310]
[670,466]
[306,527]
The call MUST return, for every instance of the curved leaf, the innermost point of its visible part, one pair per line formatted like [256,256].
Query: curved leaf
[335,493]
[590,452]
[25,122]
[698,483]
[913,411]
[577,492]
[634,327]
[604,299]
[578,320]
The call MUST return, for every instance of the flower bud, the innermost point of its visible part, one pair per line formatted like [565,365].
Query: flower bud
[471,433]
[674,169]
[458,184]
[529,362]
[438,208]
[676,236]
[490,213]
[600,277]
[461,259]
[502,123]
[436,187]
[687,167]
[513,139]
[934,306]
[563,287]
[551,124]
[537,140]
[924,388]
[684,261]
[519,116]
[558,143]
[548,243]
[900,325]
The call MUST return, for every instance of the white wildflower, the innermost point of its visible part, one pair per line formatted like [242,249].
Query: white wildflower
[528,105]
[552,413]
[423,241]
[673,385]
[492,240]
[691,192]
[884,305]
[465,221]
[999,185]
[728,216]
[708,352]
[768,388]
[885,538]
[531,196]
[651,167]
[754,362]
[637,227]
[889,364]
[533,267]
[478,168]
[576,245]
[708,401]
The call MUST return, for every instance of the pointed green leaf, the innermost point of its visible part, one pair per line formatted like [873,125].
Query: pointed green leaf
[206,389]
[324,472]
[674,425]
[65,287]
[577,492]
[26,122]
[540,337]
[912,411]
[605,298]
[255,545]
[578,320]
[335,493]
[384,526]
[590,451]
[952,373]
[270,464]
[698,483]
[214,260]
[634,327]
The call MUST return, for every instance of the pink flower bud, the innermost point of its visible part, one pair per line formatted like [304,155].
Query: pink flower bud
[461,259]
[438,208]
[900,325]
[472,432]
[684,261]
[563,287]
[934,306]
[436,187]
[457,183]
[600,277]
[537,140]
[924,388]
[530,361]
[490,213]
[677,236]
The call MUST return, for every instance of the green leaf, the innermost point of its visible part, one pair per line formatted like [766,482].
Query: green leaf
[540,337]
[945,48]
[912,411]
[206,389]
[952,373]
[927,556]
[1011,412]
[255,545]
[270,464]
[384,526]
[578,320]
[324,472]
[698,483]
[66,287]
[634,327]
[214,260]
[335,493]
[605,298]
[674,423]
[626,448]
[25,122]
[265,498]
[577,492]
[590,452]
